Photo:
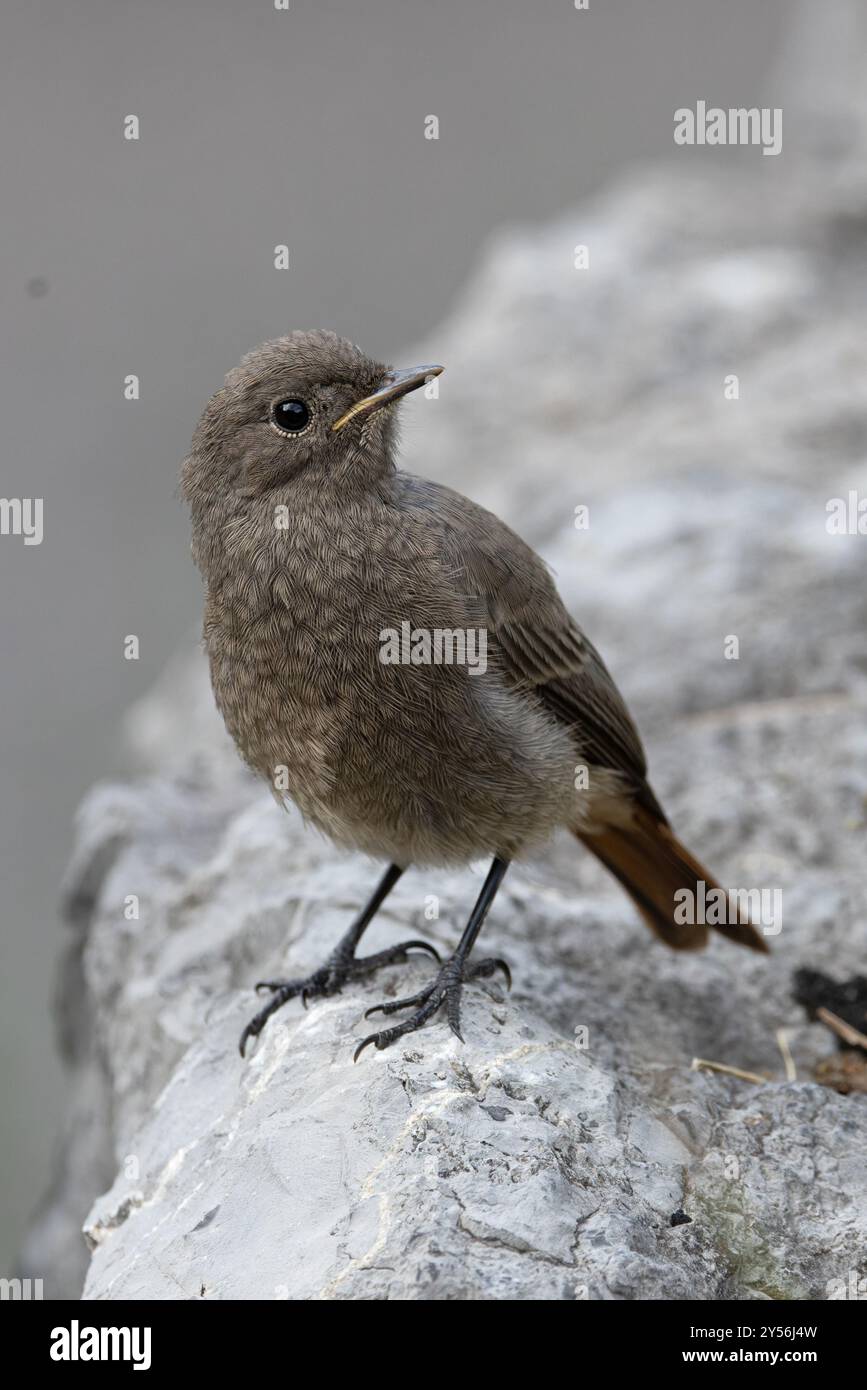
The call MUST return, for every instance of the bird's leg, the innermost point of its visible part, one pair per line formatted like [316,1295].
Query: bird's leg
[447,984]
[342,964]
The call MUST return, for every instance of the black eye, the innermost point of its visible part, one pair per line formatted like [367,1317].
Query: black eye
[290,416]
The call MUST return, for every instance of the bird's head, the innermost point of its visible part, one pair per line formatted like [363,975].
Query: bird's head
[310,407]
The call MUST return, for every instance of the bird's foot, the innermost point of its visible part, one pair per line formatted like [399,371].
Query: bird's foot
[340,968]
[444,989]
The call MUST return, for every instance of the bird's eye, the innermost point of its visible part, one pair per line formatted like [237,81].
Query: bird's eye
[290,416]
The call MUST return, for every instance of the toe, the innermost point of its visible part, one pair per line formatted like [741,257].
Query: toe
[393,1006]
[484,968]
[428,1000]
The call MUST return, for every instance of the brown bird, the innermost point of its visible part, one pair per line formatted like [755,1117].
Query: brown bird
[395,660]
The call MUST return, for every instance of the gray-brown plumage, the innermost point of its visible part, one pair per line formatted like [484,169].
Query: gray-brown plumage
[312,545]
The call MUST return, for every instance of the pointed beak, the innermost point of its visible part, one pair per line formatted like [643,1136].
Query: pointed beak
[397,382]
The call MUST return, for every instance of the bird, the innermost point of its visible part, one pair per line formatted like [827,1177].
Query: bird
[316,549]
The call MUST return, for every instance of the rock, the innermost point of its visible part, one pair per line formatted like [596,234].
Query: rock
[548,1157]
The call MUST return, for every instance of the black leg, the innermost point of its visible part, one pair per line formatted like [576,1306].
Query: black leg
[342,965]
[446,987]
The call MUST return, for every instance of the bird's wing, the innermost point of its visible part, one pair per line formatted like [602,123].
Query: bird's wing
[540,645]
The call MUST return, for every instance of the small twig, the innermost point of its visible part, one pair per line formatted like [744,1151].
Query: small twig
[788,1059]
[700,1064]
[843,1029]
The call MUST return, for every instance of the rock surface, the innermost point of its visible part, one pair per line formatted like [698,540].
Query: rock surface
[546,1157]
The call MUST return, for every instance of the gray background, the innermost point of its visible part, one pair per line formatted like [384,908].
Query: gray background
[258,127]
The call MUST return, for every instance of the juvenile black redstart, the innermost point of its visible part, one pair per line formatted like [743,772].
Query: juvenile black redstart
[395,660]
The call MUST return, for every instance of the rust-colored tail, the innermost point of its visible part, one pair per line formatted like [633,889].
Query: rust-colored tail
[653,866]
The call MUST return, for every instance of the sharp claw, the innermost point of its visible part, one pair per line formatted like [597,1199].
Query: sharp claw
[424,946]
[305,995]
[244,1039]
[453,1011]
[377,1009]
[362,1045]
[504,966]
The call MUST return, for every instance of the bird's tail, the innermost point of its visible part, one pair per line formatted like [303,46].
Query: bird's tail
[655,869]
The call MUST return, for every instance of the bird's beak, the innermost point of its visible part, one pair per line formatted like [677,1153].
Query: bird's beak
[395,384]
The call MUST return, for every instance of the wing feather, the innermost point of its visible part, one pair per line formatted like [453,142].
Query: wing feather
[542,649]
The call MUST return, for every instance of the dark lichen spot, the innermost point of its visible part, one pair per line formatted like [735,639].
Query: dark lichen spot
[206,1219]
[497,1112]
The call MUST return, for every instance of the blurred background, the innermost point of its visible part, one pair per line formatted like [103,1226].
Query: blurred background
[155,257]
